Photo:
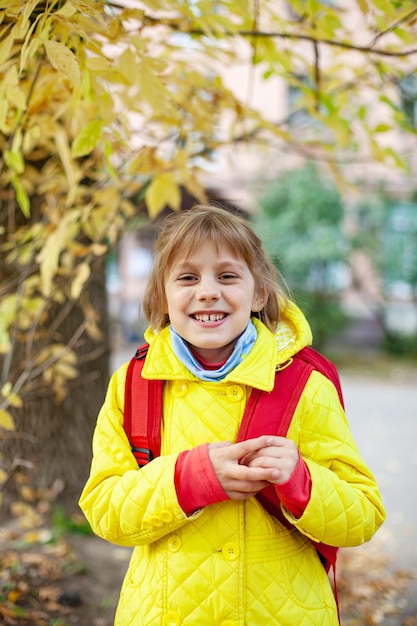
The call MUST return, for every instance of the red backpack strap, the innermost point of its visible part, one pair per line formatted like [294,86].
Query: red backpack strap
[271,414]
[324,366]
[276,408]
[143,410]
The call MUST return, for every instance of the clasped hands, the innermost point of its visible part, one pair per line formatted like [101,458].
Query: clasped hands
[246,467]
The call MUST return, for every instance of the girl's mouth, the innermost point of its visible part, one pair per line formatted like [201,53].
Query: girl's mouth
[209,317]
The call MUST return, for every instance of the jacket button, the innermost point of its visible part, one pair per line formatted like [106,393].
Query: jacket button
[166,516]
[172,619]
[174,543]
[230,551]
[179,389]
[235,393]
[156,521]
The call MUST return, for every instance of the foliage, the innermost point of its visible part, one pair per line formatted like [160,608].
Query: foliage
[301,226]
[401,344]
[106,110]
[387,230]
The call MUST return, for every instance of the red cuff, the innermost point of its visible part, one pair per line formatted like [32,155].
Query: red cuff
[295,493]
[195,480]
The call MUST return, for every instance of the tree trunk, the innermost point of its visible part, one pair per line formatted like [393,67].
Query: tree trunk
[53,439]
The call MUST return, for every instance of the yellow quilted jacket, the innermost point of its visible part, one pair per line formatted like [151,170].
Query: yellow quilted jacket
[231,563]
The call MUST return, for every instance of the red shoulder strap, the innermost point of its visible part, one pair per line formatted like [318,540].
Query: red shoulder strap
[271,414]
[143,410]
[322,365]
[274,410]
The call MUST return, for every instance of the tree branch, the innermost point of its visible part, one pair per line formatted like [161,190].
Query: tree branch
[405,18]
[180,26]
[317,76]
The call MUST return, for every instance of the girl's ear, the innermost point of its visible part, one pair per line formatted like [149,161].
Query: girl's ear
[260,298]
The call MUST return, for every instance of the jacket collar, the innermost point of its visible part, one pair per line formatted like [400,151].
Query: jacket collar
[258,368]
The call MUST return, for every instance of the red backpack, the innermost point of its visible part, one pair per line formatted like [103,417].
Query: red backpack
[265,414]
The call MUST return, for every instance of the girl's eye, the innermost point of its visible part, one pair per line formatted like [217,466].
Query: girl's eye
[228,276]
[186,277]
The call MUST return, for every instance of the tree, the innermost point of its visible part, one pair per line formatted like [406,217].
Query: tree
[106,110]
[301,224]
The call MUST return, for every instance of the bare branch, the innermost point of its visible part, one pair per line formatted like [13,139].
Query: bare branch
[317,75]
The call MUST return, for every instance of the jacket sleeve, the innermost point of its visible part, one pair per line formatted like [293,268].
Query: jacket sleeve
[124,504]
[345,506]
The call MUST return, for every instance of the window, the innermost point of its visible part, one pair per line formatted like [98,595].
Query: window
[408,93]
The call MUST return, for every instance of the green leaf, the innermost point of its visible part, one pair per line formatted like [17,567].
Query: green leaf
[385,7]
[21,196]
[15,161]
[406,36]
[382,128]
[88,138]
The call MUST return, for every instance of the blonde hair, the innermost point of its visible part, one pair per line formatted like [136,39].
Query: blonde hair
[190,230]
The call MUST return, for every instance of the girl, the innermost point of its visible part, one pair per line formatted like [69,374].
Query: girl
[206,552]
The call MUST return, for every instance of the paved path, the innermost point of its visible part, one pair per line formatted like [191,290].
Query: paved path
[383,419]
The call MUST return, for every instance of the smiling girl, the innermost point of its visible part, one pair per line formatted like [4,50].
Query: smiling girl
[206,552]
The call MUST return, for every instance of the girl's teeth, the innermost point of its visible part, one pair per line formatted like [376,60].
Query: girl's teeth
[214,317]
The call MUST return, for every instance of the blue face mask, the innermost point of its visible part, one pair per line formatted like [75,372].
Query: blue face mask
[242,348]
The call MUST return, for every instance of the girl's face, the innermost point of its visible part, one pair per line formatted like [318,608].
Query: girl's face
[210,296]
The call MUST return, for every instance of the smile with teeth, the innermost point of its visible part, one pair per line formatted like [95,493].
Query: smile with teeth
[209,317]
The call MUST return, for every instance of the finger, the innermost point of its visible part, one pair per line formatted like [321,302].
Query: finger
[243,448]
[219,444]
[280,449]
[252,476]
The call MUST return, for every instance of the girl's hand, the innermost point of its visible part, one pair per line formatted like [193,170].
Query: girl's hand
[279,454]
[241,480]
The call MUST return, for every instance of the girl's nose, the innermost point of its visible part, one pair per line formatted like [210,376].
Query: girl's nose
[208,289]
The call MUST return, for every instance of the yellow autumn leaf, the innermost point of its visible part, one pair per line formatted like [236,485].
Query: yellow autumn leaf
[65,370]
[163,190]
[64,61]
[128,66]
[64,152]
[82,274]
[363,5]
[88,138]
[29,48]
[5,47]
[15,400]
[6,389]
[4,341]
[29,7]
[28,517]
[98,249]
[55,243]
[6,420]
